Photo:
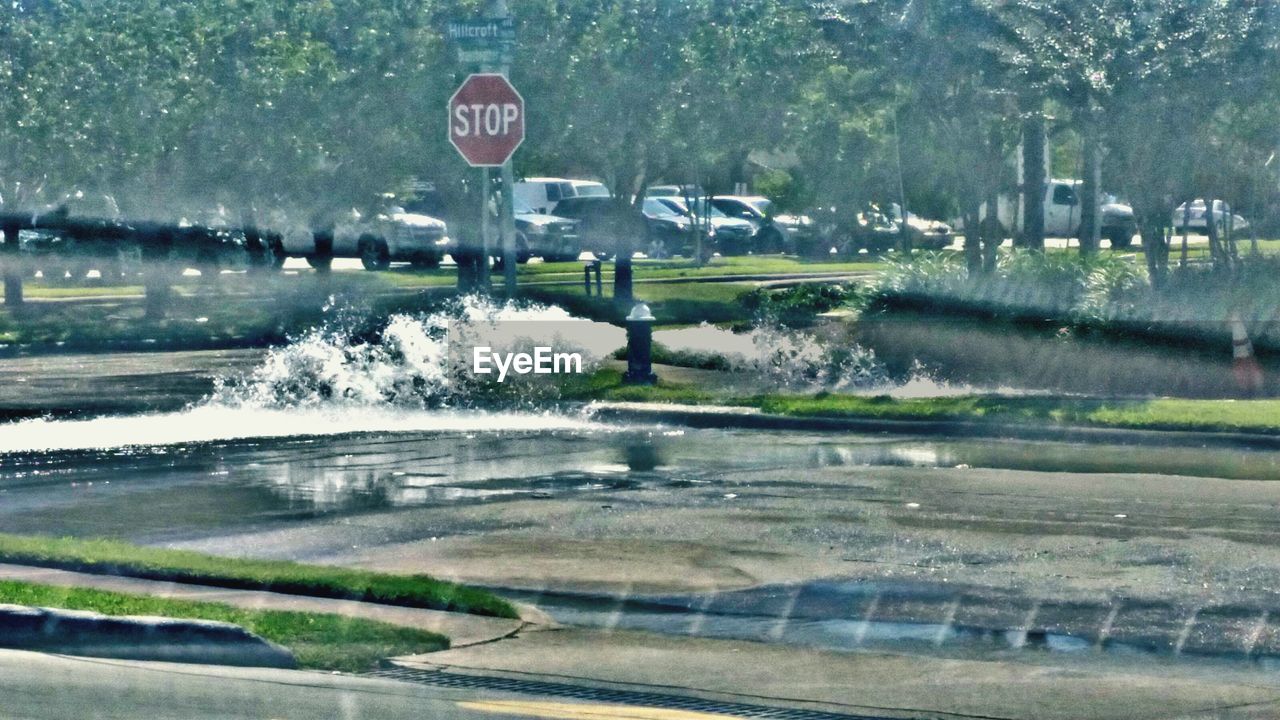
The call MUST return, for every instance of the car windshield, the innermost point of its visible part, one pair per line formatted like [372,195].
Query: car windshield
[591,190]
[658,208]
[762,206]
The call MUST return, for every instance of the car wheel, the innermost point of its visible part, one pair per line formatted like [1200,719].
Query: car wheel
[206,263]
[1120,239]
[769,240]
[522,249]
[273,256]
[320,263]
[373,253]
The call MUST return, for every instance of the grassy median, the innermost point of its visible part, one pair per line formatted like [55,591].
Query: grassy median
[318,640]
[1258,416]
[111,557]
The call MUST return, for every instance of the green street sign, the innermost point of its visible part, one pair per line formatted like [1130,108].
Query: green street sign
[481,33]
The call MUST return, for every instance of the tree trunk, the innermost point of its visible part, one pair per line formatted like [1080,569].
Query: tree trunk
[1090,221]
[1033,175]
[156,251]
[12,270]
[972,236]
[1211,229]
[1152,218]
[738,169]
[992,236]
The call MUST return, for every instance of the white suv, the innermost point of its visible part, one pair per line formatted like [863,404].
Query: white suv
[542,194]
[377,240]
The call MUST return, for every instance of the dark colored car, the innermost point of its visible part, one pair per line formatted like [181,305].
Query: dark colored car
[606,225]
[550,237]
[669,229]
[731,236]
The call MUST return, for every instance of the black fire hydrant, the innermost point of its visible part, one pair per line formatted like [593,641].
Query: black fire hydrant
[640,347]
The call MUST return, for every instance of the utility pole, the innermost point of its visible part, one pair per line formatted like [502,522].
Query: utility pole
[506,208]
[486,125]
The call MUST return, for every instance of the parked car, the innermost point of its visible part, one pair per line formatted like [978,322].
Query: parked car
[773,232]
[605,225]
[1062,214]
[1197,219]
[676,191]
[378,238]
[670,231]
[543,195]
[550,237]
[925,234]
[732,236]
[93,234]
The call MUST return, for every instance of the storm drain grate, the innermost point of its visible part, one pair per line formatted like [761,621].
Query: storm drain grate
[440,678]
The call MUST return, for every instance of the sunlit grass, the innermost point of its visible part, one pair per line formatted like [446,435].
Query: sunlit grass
[320,641]
[1157,414]
[113,557]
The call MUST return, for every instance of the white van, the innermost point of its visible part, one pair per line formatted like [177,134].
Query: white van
[542,194]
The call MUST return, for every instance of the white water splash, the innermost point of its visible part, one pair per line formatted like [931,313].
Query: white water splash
[402,378]
[409,363]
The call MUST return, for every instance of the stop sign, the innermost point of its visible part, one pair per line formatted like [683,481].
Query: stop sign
[486,120]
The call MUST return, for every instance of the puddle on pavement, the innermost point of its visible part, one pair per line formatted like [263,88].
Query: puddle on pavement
[842,616]
[228,484]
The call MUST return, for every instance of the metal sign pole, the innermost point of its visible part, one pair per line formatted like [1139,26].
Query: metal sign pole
[489,141]
[507,208]
[486,229]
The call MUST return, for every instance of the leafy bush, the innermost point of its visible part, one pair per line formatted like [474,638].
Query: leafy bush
[664,355]
[1024,284]
[795,306]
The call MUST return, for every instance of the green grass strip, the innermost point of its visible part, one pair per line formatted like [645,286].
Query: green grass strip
[320,641]
[112,557]
[1219,415]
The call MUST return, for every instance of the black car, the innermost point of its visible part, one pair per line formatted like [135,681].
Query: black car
[550,237]
[605,225]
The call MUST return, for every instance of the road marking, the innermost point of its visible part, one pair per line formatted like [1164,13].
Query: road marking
[861,633]
[944,630]
[780,627]
[1186,632]
[1104,632]
[1254,636]
[582,711]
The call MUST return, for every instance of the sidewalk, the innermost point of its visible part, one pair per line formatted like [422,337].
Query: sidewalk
[879,684]
[461,629]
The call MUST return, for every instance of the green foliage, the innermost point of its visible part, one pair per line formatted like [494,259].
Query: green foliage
[663,355]
[796,306]
[1026,284]
[1168,414]
[112,557]
[1262,416]
[310,107]
[319,641]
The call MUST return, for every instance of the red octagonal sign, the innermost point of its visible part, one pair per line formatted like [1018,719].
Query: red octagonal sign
[486,120]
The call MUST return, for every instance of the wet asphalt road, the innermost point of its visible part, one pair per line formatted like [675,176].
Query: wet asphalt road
[828,540]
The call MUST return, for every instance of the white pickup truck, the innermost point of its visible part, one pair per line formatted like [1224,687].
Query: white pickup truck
[390,235]
[1062,214]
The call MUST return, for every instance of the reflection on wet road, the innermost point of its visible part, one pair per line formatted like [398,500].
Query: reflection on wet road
[839,541]
[157,492]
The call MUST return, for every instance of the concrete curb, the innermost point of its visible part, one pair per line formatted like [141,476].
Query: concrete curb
[461,629]
[93,634]
[727,417]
